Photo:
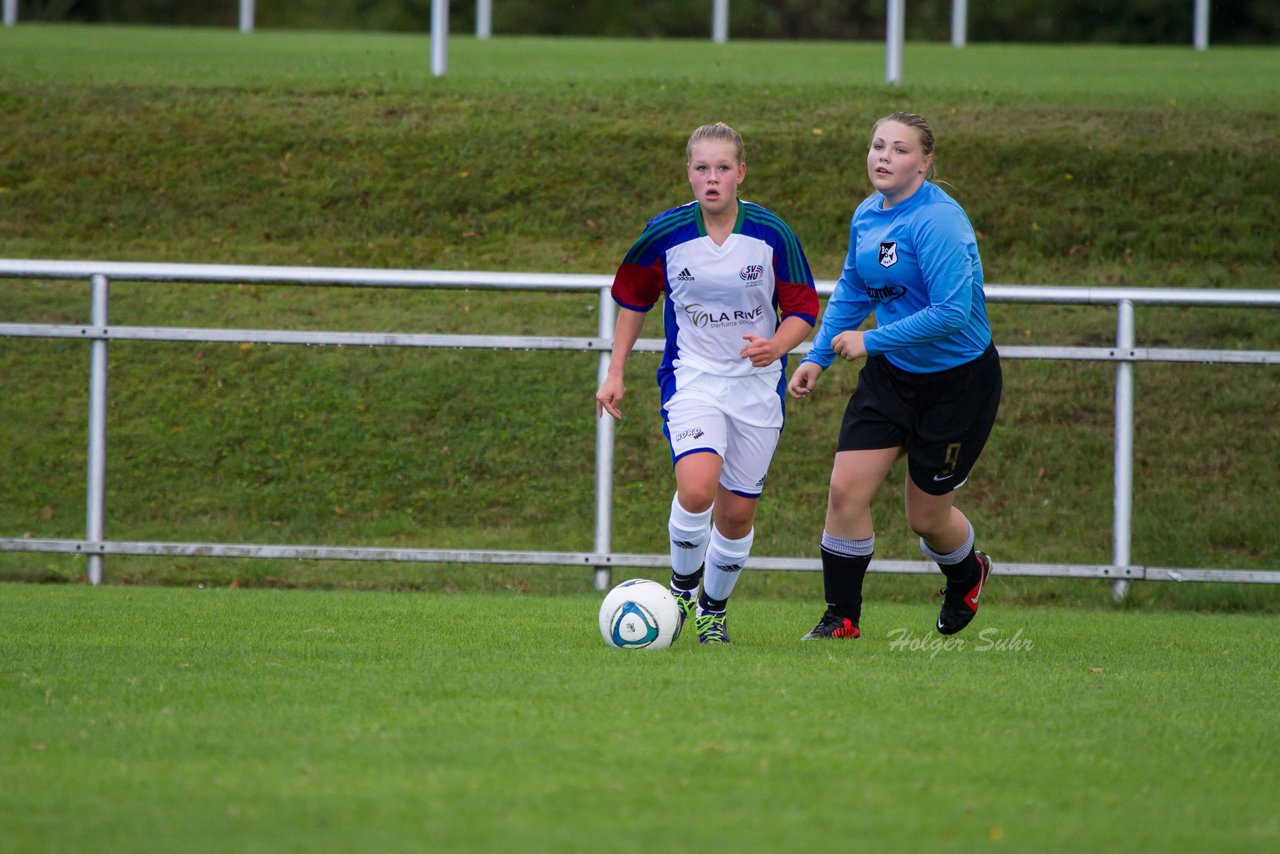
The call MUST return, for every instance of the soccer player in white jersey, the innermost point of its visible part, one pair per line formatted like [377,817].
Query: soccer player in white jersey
[931,384]
[739,297]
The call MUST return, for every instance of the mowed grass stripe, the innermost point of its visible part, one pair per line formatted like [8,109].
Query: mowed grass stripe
[1168,76]
[182,719]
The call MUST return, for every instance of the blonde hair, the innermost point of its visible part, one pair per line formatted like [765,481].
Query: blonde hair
[718,132]
[923,131]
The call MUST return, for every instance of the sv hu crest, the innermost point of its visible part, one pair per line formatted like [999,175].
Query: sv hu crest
[888,253]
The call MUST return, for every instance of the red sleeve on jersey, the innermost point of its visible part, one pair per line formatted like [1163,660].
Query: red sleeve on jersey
[797,298]
[639,288]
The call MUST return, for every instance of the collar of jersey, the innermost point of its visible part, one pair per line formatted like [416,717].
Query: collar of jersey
[737,225]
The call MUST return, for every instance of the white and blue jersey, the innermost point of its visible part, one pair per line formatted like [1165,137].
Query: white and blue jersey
[716,294]
[916,267]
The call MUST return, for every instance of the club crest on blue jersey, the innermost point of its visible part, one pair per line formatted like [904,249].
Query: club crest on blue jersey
[889,253]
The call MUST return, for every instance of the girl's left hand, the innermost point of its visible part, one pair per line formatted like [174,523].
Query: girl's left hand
[760,351]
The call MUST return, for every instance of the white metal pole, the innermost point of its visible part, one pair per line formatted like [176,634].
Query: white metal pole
[1200,38]
[604,449]
[439,37]
[959,22]
[893,39]
[1122,527]
[484,18]
[96,487]
[720,21]
[246,16]
[10,12]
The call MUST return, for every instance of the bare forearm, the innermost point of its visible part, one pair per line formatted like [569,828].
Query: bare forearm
[625,335]
[792,331]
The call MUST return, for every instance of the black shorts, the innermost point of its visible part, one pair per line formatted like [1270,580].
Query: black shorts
[941,419]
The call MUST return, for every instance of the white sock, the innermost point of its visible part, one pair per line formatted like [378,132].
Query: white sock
[953,557]
[726,559]
[689,535]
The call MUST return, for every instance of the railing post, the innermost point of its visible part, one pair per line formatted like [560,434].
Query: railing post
[604,449]
[439,37]
[959,22]
[96,487]
[894,36]
[1122,529]
[1200,25]
[720,21]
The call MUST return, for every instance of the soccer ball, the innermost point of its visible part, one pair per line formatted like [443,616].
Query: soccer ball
[639,614]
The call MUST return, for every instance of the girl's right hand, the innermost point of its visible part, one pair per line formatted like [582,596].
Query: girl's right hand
[609,396]
[804,379]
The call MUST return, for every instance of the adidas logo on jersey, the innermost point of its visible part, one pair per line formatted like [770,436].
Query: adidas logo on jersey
[685,276]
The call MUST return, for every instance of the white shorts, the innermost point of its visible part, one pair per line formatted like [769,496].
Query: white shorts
[738,418]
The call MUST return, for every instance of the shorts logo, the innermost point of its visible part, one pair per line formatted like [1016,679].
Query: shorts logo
[691,433]
[751,273]
[684,275]
[950,463]
[889,253]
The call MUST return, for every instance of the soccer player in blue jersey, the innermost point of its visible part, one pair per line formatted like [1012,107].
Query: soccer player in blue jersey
[739,297]
[931,384]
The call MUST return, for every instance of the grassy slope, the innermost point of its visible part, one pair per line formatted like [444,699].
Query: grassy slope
[1088,165]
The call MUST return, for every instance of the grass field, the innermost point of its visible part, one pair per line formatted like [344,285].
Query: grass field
[1100,75]
[1097,76]
[162,719]
[475,709]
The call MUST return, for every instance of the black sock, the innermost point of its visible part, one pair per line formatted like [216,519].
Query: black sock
[842,577]
[686,582]
[711,606]
[967,571]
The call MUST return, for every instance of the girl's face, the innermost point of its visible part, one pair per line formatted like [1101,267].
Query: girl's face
[714,175]
[896,163]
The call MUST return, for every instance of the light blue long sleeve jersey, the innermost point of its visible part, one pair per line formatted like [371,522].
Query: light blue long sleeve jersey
[916,266]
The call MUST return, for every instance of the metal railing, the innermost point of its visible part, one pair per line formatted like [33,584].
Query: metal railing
[95,546]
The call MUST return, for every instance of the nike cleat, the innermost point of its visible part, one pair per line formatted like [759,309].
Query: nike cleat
[831,626]
[960,600]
